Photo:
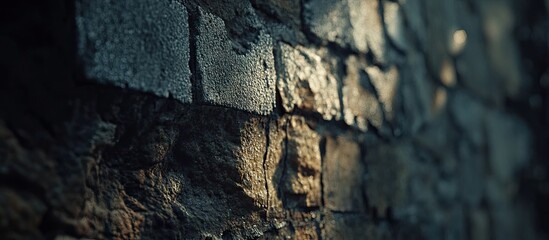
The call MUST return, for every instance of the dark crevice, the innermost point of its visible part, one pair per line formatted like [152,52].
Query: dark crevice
[284,163]
[196,81]
[322,148]
[278,65]
[341,73]
[265,157]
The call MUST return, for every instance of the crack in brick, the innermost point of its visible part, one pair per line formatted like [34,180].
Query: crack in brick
[267,144]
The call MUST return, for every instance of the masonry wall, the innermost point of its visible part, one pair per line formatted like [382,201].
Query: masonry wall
[311,119]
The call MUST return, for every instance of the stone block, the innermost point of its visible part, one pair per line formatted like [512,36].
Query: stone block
[343,175]
[352,23]
[141,45]
[287,11]
[386,85]
[360,104]
[388,173]
[352,226]
[330,20]
[394,24]
[368,26]
[243,79]
[301,181]
[306,84]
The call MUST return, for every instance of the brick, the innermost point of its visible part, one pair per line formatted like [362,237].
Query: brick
[306,84]
[330,20]
[287,11]
[350,225]
[242,80]
[387,176]
[360,104]
[368,26]
[301,182]
[343,175]
[394,25]
[352,23]
[386,84]
[141,45]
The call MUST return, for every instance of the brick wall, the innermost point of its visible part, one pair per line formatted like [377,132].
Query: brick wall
[312,119]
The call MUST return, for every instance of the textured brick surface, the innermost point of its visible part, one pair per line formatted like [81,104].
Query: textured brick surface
[343,175]
[142,45]
[355,24]
[306,84]
[239,80]
[360,105]
[386,85]
[311,119]
[302,183]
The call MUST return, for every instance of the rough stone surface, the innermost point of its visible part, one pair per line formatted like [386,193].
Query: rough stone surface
[330,20]
[360,105]
[287,11]
[351,23]
[386,84]
[394,24]
[301,185]
[243,80]
[368,26]
[387,176]
[343,175]
[388,120]
[141,45]
[306,84]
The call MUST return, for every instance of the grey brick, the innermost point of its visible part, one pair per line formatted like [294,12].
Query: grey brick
[244,81]
[142,45]
[351,23]
[330,20]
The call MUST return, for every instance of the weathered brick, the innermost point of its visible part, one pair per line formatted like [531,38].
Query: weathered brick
[287,11]
[253,139]
[142,45]
[360,105]
[343,175]
[306,84]
[387,176]
[386,84]
[302,168]
[242,80]
[274,164]
[365,16]
[348,225]
[330,20]
[394,25]
[352,23]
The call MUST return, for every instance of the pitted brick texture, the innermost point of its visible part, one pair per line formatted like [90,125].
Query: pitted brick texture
[142,45]
[243,81]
